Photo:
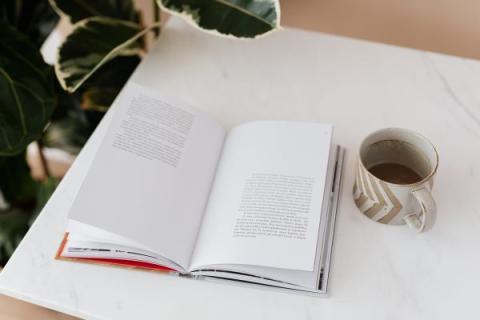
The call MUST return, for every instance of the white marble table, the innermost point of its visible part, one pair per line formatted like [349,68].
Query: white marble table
[378,272]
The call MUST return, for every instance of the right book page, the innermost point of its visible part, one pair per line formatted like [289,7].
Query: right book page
[265,204]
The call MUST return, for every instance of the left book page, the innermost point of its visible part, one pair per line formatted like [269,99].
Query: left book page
[150,179]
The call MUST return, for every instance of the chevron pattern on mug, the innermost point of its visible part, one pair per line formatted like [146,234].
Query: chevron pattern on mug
[375,198]
[394,178]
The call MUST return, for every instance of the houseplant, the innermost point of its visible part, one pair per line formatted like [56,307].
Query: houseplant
[60,106]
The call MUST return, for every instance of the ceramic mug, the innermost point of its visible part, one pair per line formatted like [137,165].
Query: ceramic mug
[394,178]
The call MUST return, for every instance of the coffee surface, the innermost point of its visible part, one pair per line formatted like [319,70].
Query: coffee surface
[395,173]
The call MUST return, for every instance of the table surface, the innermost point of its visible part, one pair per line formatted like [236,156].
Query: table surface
[378,271]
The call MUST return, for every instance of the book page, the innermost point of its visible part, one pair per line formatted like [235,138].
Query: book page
[150,180]
[266,200]
[301,278]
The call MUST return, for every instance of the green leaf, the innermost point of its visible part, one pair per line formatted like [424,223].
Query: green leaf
[77,10]
[35,18]
[16,183]
[239,18]
[13,226]
[94,42]
[26,94]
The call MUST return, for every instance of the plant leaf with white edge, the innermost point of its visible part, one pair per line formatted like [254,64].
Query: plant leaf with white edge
[76,10]
[238,18]
[92,43]
[26,92]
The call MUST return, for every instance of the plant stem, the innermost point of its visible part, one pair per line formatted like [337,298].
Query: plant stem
[156,17]
[43,160]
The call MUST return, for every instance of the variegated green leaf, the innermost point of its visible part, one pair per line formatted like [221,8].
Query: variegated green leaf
[26,94]
[239,18]
[77,10]
[94,42]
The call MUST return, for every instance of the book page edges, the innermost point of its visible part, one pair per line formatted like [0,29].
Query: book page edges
[129,264]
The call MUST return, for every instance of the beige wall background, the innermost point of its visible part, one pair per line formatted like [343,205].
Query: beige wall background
[447,26]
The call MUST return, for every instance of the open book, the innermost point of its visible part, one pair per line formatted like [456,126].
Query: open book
[170,189]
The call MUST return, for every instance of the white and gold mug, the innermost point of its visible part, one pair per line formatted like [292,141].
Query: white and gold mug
[394,178]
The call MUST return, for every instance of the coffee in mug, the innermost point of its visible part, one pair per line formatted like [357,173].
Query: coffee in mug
[394,178]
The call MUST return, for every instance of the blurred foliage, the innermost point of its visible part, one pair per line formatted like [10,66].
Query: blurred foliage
[14,224]
[34,106]
[94,62]
[16,183]
[77,10]
[34,18]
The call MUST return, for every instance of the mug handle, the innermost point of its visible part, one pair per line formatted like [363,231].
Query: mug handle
[426,218]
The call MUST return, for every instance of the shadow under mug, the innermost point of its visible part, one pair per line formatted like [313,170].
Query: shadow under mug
[389,200]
